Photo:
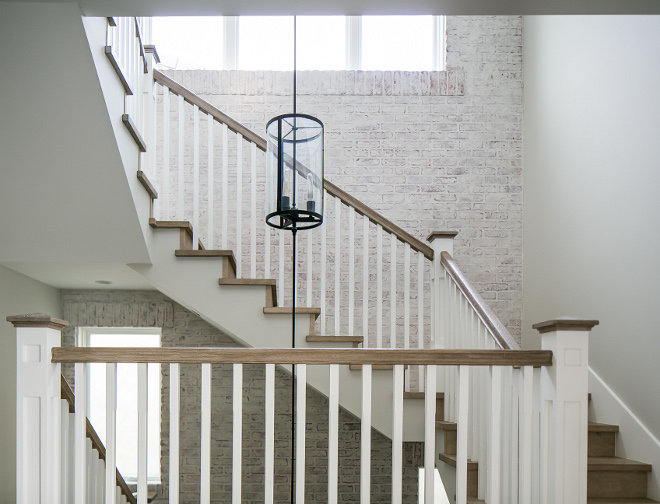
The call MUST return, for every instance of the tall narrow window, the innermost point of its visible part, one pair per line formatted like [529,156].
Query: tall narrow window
[127,446]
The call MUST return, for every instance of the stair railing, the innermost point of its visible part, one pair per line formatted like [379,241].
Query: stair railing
[370,277]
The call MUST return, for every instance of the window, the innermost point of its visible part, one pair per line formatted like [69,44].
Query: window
[126,397]
[324,42]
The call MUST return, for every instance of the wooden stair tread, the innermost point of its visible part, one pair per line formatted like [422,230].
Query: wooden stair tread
[287,309]
[204,253]
[160,224]
[317,338]
[375,367]
[248,281]
[599,427]
[421,395]
[146,183]
[451,460]
[445,425]
[616,464]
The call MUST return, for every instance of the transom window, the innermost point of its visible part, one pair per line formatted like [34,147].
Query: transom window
[324,42]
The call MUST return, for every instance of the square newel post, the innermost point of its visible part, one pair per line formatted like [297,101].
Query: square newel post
[38,385]
[564,405]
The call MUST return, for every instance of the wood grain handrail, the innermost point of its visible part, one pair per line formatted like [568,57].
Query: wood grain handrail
[500,333]
[311,356]
[260,142]
[67,394]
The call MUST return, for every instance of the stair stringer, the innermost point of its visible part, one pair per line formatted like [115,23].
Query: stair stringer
[238,312]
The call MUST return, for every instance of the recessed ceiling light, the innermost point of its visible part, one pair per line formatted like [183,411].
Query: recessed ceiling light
[103,282]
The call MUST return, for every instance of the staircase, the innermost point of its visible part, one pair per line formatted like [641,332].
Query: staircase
[228,272]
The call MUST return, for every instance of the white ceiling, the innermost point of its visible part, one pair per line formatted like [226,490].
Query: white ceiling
[356,7]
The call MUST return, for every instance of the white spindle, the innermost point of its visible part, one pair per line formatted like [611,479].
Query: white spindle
[333,434]
[337,266]
[324,261]
[90,473]
[309,267]
[110,429]
[280,279]
[351,270]
[526,417]
[174,433]
[462,435]
[225,185]
[142,433]
[210,231]
[365,282]
[205,446]
[267,252]
[165,208]
[365,436]
[253,210]
[195,177]
[484,394]
[301,408]
[393,297]
[80,421]
[152,152]
[514,430]
[180,181]
[429,434]
[379,286]
[494,444]
[237,420]
[67,450]
[99,470]
[420,312]
[269,462]
[505,434]
[239,205]
[397,435]
[406,304]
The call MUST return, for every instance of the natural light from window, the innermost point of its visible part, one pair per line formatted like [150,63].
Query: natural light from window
[127,421]
[266,43]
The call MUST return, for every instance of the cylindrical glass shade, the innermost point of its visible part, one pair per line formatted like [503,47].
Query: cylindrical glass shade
[294,172]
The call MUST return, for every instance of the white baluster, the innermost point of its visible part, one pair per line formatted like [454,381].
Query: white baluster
[67,449]
[210,231]
[337,266]
[301,408]
[462,435]
[165,208]
[239,205]
[365,282]
[429,434]
[195,220]
[309,266]
[90,474]
[406,305]
[324,262]
[253,210]
[494,441]
[393,298]
[280,279]
[80,490]
[110,430]
[351,271]
[333,434]
[526,417]
[237,420]
[269,463]
[514,390]
[420,314]
[379,286]
[174,433]
[225,185]
[180,179]
[143,401]
[205,446]
[397,435]
[267,252]
[152,150]
[365,436]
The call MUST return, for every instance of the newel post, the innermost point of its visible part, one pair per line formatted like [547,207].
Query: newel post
[564,405]
[38,385]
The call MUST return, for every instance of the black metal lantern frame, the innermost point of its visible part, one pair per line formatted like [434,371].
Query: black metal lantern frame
[295,171]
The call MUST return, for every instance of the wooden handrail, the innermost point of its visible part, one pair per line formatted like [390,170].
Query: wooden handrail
[260,142]
[500,333]
[67,394]
[312,356]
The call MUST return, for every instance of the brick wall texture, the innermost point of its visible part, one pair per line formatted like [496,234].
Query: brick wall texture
[180,327]
[428,150]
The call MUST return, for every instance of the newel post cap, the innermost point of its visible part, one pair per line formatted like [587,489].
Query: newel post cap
[441,234]
[565,324]
[37,320]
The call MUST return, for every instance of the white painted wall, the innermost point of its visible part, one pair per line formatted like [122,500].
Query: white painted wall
[591,204]
[18,294]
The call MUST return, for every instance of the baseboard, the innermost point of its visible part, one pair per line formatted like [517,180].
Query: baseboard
[634,440]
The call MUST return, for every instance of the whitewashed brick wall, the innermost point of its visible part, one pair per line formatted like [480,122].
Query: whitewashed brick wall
[429,150]
[180,327]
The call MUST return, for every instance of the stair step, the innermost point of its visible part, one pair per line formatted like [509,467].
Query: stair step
[317,338]
[270,284]
[451,460]
[616,478]
[444,425]
[602,440]
[421,395]
[283,310]
[472,474]
[600,427]
[228,266]
[146,183]
[185,228]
